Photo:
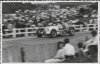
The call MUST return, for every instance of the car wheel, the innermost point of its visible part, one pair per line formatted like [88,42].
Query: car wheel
[71,31]
[53,33]
[38,33]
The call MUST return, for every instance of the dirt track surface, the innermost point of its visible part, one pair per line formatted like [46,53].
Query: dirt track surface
[35,41]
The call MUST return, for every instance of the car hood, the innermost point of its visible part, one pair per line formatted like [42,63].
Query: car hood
[47,27]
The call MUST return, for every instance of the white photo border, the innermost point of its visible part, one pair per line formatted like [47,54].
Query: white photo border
[54,1]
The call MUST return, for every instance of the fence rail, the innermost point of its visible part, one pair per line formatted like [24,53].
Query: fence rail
[25,32]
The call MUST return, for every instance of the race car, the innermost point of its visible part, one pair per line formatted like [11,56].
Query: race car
[55,30]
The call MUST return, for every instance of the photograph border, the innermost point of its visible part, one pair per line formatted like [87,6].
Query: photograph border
[54,1]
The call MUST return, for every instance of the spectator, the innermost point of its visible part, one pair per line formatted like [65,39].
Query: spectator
[10,25]
[20,23]
[3,28]
[81,49]
[93,40]
[91,46]
[59,56]
[69,49]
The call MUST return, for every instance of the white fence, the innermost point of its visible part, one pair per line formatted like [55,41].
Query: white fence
[31,31]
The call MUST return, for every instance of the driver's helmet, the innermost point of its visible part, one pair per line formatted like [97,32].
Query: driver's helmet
[63,25]
[54,24]
[50,24]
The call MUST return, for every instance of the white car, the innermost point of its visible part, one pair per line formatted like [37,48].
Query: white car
[55,30]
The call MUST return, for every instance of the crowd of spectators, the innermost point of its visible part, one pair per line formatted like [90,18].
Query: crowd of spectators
[82,14]
[87,50]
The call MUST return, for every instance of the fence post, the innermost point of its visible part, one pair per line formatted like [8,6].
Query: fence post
[94,26]
[26,31]
[81,28]
[87,27]
[22,54]
[10,57]
[14,32]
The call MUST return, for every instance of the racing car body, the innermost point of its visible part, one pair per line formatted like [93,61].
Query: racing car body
[53,31]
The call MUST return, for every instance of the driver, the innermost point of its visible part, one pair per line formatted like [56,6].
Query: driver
[60,25]
[63,25]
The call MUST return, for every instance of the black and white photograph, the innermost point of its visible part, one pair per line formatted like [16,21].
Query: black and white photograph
[0,32]
[49,32]
[51,0]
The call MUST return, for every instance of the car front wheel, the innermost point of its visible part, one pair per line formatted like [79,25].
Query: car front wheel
[53,33]
[71,31]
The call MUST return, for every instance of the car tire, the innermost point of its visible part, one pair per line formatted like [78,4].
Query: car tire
[53,33]
[38,34]
[71,31]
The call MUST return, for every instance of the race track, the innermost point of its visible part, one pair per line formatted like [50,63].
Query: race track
[37,49]
[35,41]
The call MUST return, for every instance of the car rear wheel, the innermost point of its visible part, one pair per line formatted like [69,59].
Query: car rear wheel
[71,31]
[53,33]
[38,33]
